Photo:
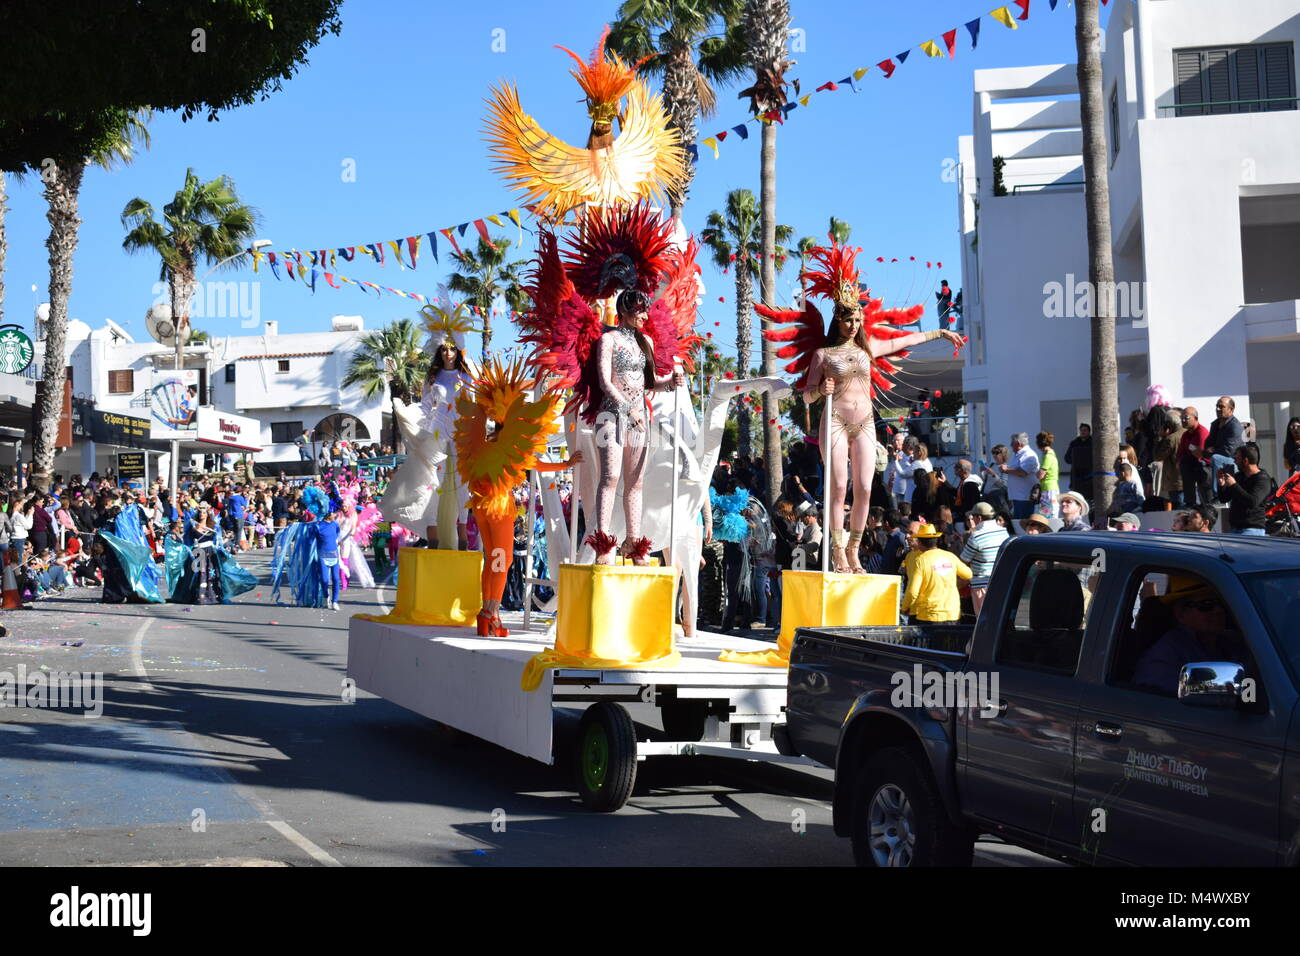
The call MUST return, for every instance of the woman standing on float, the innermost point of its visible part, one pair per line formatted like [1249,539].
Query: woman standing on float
[626,369]
[850,364]
[448,375]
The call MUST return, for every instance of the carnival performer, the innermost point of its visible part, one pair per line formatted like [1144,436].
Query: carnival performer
[626,367]
[448,375]
[492,462]
[352,558]
[850,362]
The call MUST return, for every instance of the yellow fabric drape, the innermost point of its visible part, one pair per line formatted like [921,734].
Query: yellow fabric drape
[610,616]
[435,588]
[814,599]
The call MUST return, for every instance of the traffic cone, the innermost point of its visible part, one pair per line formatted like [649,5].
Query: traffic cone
[12,599]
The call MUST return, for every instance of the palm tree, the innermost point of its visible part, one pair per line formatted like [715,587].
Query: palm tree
[203,221]
[391,357]
[839,231]
[62,189]
[484,275]
[1101,269]
[692,57]
[733,239]
[766,26]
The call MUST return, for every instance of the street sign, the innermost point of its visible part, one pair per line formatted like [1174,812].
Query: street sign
[130,464]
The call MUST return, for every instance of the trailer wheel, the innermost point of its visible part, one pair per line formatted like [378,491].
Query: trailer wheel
[606,757]
[899,818]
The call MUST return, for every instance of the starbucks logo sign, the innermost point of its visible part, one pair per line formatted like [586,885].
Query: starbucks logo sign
[16,350]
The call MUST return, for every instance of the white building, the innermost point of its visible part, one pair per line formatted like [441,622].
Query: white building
[1204,139]
[285,383]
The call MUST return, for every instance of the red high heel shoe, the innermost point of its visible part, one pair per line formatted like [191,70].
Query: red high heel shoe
[483,624]
[497,627]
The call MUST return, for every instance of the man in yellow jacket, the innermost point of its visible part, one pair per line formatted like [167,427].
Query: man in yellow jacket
[931,596]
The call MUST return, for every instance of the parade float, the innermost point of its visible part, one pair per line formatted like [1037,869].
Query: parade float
[615,291]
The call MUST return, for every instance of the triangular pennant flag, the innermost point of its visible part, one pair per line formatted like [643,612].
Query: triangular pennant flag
[314,274]
[302,272]
[514,217]
[712,143]
[902,57]
[462,227]
[397,252]
[974,28]
[433,245]
[256,258]
[931,49]
[860,72]
[721,137]
[1003,16]
[495,220]
[887,67]
[1053,3]
[827,86]
[348,253]
[329,279]
[450,238]
[789,107]
[1023,5]
[693,151]
[742,131]
[481,226]
[950,41]
[270,260]
[803,100]
[288,268]
[413,248]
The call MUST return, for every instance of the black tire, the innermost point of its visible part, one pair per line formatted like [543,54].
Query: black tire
[606,757]
[684,719]
[896,788]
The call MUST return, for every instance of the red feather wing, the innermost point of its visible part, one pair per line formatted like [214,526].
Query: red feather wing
[804,339]
[681,291]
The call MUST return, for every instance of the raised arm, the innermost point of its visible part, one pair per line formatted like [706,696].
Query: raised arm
[881,348]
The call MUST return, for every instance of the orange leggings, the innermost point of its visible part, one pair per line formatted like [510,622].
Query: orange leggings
[498,534]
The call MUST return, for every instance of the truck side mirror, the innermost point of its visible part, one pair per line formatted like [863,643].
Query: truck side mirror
[1211,683]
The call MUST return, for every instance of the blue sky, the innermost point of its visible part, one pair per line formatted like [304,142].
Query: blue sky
[400,93]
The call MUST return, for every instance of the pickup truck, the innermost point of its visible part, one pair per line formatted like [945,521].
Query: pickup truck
[1123,698]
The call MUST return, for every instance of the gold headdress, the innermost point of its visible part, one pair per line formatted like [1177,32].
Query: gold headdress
[446,326]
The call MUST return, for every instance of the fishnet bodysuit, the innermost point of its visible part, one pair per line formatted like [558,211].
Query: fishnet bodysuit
[620,443]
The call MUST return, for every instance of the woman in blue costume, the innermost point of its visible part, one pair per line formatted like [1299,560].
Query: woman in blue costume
[297,559]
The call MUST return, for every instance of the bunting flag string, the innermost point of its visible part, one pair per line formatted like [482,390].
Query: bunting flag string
[887,67]
[292,260]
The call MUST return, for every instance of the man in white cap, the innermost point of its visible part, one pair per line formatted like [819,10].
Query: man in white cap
[1074,511]
[1128,521]
[983,546]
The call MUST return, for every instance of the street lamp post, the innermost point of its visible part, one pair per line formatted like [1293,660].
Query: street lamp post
[180,358]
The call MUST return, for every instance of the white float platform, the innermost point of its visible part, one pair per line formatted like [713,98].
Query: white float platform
[451,675]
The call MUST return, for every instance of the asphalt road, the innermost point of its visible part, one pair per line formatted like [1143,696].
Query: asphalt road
[224,738]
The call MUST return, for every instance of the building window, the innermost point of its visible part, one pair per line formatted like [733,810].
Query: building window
[1114,122]
[230,373]
[281,365]
[1243,79]
[121,381]
[284,433]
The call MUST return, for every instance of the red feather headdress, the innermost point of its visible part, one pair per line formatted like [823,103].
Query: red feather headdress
[617,249]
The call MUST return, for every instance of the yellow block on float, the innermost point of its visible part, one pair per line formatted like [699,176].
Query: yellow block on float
[610,616]
[826,599]
[435,587]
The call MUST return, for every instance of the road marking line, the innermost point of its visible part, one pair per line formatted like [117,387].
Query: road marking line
[264,810]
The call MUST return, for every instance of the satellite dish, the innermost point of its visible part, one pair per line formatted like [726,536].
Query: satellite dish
[158,322]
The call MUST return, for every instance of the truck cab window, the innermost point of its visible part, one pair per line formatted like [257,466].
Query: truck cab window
[1179,619]
[1044,629]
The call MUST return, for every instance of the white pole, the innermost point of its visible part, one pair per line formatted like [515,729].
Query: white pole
[677,451]
[573,498]
[826,483]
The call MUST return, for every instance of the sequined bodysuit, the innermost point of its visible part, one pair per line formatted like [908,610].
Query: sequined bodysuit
[628,366]
[849,365]
[621,447]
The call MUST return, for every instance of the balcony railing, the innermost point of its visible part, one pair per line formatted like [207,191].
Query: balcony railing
[1235,103]
[1041,187]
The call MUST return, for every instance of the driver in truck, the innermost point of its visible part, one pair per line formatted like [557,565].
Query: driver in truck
[1200,633]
